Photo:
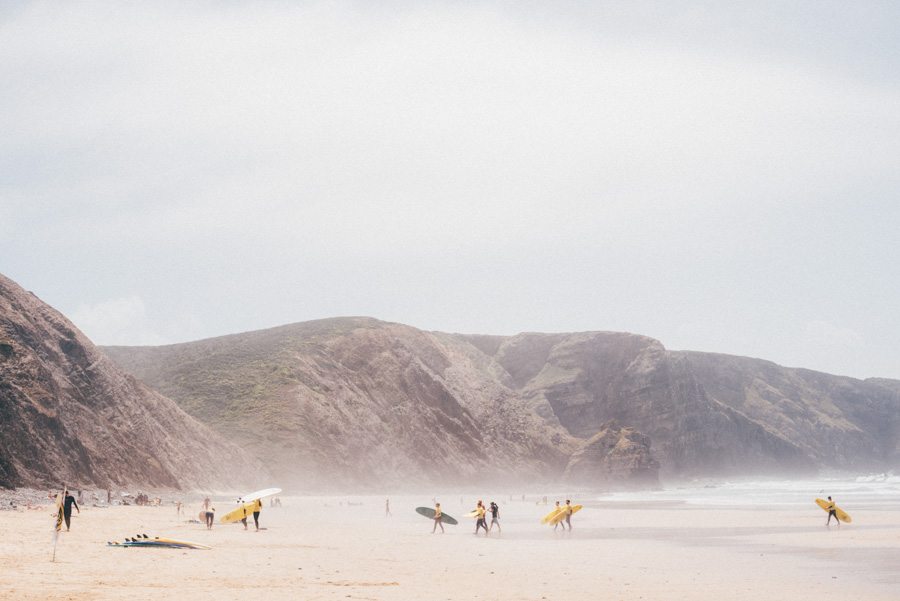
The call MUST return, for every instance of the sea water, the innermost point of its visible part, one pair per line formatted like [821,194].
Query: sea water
[880,491]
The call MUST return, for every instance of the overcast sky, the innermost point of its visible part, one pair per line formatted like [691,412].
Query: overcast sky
[720,177]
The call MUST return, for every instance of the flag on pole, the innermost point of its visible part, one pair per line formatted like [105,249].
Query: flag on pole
[59,520]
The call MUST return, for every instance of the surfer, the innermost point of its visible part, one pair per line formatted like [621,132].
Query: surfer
[206,503]
[437,518]
[210,517]
[387,508]
[256,514]
[569,511]
[558,524]
[495,517]
[67,508]
[479,514]
[831,512]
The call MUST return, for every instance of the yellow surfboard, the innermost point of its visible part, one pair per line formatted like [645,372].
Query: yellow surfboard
[559,517]
[552,514]
[840,513]
[471,514]
[244,511]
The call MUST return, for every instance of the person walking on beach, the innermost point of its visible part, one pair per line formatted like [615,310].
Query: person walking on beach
[256,514]
[479,514]
[206,503]
[210,518]
[437,518]
[569,511]
[68,501]
[387,508]
[831,512]
[559,523]
[495,517]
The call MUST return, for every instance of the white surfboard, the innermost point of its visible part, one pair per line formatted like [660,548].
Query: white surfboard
[260,494]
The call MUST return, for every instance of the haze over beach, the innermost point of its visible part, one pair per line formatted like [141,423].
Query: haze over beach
[376,256]
[720,177]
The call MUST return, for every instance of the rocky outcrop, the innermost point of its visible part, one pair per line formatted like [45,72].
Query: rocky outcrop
[69,415]
[614,458]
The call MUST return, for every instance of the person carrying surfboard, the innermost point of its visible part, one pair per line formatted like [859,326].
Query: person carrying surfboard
[558,524]
[479,514]
[210,517]
[256,514]
[569,511]
[832,511]
[437,518]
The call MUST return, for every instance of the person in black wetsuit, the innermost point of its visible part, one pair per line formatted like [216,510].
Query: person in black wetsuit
[256,514]
[210,517]
[495,516]
[831,513]
[68,501]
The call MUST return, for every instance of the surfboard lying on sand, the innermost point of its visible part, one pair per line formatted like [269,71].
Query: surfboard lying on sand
[551,515]
[559,517]
[240,513]
[840,513]
[428,512]
[144,541]
[260,494]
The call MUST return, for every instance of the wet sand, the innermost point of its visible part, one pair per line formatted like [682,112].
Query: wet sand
[626,551]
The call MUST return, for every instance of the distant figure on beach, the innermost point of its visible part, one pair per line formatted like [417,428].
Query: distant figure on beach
[256,514]
[206,503]
[437,518]
[569,511]
[479,514]
[68,501]
[178,509]
[387,508]
[831,512]
[210,517]
[108,496]
[495,517]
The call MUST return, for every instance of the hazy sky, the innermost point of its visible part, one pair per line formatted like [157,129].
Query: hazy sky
[720,176]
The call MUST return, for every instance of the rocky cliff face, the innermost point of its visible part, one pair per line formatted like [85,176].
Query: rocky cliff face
[69,415]
[356,401]
[705,414]
[614,457]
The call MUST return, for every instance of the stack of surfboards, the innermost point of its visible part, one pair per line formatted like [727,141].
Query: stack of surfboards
[142,540]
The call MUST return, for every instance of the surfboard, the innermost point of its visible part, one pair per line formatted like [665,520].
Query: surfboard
[550,515]
[172,541]
[840,513]
[260,494]
[471,514]
[428,512]
[561,516]
[202,516]
[244,511]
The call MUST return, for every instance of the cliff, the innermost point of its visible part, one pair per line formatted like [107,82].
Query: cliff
[357,402]
[69,415]
[706,415]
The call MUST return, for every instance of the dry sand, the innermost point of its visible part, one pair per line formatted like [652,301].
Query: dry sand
[646,551]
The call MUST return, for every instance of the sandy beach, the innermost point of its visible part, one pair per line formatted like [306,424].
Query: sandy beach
[328,548]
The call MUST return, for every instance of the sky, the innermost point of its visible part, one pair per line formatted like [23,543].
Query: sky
[720,176]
